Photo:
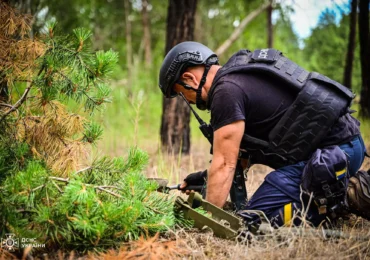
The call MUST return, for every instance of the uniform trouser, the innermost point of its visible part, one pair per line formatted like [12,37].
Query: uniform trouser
[279,195]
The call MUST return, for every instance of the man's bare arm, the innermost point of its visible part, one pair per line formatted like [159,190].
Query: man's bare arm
[226,143]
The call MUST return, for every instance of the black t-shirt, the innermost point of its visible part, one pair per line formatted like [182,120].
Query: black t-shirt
[261,101]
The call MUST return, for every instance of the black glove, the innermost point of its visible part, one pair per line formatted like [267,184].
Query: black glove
[196,178]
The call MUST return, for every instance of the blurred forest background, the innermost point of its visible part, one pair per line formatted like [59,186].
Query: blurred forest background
[141,31]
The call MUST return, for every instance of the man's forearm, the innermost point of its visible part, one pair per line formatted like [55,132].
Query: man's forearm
[219,182]
[226,145]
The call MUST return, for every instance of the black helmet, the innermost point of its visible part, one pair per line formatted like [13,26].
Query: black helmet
[180,57]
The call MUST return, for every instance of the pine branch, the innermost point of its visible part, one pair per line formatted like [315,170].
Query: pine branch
[22,99]
[37,188]
[65,77]
[80,212]
[24,211]
[56,185]
[84,169]
[59,179]
[18,104]
[6,105]
[89,98]
[95,103]
[84,65]
[101,188]
[108,191]
[108,186]
[154,210]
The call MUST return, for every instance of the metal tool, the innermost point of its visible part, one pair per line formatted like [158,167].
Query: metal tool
[222,223]
[228,226]
[162,186]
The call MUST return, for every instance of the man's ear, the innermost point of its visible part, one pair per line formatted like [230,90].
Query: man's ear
[189,77]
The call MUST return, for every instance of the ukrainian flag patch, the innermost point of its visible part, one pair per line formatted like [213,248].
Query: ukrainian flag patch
[340,174]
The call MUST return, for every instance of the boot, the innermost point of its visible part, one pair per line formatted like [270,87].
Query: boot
[358,194]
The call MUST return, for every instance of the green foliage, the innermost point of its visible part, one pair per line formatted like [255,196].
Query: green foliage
[100,207]
[105,62]
[93,132]
[71,70]
[325,50]
[285,39]
[12,155]
[82,34]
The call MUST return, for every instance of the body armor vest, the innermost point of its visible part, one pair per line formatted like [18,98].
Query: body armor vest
[319,103]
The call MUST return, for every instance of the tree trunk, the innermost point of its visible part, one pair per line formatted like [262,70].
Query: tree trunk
[364,36]
[175,128]
[198,28]
[238,30]
[128,40]
[347,80]
[146,34]
[269,25]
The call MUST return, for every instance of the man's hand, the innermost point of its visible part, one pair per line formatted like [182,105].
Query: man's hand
[194,179]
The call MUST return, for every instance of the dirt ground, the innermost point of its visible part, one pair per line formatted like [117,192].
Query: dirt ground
[197,244]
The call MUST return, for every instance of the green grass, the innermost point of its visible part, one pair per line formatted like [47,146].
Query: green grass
[134,116]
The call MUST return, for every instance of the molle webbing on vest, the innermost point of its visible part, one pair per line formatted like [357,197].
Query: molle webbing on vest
[291,69]
[319,103]
[307,121]
[280,63]
[274,63]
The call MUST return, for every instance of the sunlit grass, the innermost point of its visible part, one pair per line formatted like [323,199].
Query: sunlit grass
[134,116]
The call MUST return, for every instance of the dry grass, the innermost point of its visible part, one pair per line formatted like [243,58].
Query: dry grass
[203,245]
[196,244]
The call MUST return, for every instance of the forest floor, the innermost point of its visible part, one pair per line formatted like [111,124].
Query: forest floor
[195,244]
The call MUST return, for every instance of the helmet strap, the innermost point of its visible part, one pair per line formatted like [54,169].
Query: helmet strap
[200,103]
[186,86]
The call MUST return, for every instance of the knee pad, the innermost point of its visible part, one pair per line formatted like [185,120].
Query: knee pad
[358,194]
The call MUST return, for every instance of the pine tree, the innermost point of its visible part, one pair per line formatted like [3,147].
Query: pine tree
[50,189]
